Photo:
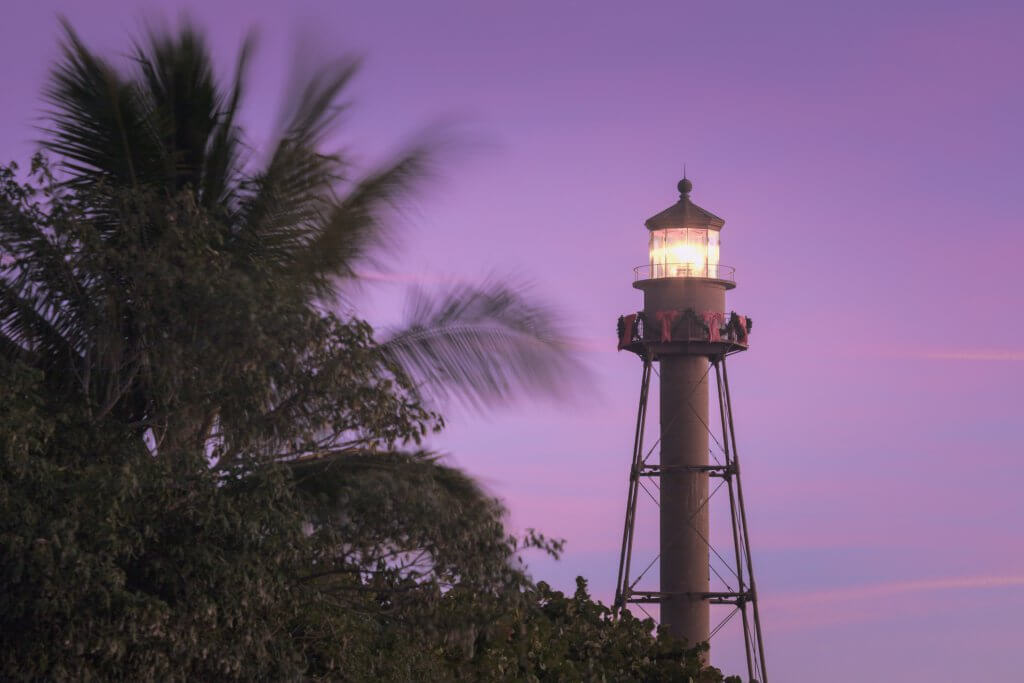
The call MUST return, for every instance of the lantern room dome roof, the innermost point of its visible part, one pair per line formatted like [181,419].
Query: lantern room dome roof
[684,214]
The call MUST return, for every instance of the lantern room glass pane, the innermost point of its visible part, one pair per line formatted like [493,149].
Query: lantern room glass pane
[714,247]
[684,253]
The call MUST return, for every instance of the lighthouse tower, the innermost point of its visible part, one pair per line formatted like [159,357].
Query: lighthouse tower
[683,334]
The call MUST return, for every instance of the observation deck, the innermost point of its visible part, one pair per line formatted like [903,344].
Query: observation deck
[710,333]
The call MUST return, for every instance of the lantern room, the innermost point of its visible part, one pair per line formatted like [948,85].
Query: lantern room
[685,242]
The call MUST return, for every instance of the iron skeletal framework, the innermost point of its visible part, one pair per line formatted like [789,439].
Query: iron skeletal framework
[735,574]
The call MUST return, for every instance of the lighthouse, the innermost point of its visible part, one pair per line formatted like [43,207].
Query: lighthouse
[683,335]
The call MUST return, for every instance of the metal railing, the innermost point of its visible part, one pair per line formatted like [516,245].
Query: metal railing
[663,270]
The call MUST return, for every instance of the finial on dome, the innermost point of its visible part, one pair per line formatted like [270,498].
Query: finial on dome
[684,187]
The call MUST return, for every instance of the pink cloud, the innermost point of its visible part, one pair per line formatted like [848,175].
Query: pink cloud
[892,588]
[969,354]
[974,354]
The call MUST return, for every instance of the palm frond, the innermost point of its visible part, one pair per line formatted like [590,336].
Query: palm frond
[281,206]
[295,217]
[32,324]
[350,228]
[177,84]
[408,511]
[313,103]
[42,305]
[223,159]
[35,257]
[98,126]
[483,345]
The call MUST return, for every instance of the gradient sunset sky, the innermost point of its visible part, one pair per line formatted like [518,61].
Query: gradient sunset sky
[867,159]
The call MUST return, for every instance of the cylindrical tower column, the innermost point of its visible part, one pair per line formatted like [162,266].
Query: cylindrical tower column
[684,490]
[683,391]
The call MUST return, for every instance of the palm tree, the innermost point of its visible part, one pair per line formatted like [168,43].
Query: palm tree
[184,289]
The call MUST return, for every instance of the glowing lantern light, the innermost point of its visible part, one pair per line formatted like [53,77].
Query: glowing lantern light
[685,239]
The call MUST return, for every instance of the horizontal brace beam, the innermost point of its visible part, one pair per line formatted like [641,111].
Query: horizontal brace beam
[723,598]
[746,595]
[713,470]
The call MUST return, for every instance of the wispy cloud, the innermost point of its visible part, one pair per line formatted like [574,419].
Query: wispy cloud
[974,354]
[894,588]
[964,354]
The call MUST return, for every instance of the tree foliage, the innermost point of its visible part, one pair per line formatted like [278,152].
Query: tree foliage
[119,565]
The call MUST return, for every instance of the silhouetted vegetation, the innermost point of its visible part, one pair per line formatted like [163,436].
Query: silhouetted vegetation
[208,470]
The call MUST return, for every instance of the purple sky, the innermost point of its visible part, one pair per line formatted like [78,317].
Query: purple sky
[866,158]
